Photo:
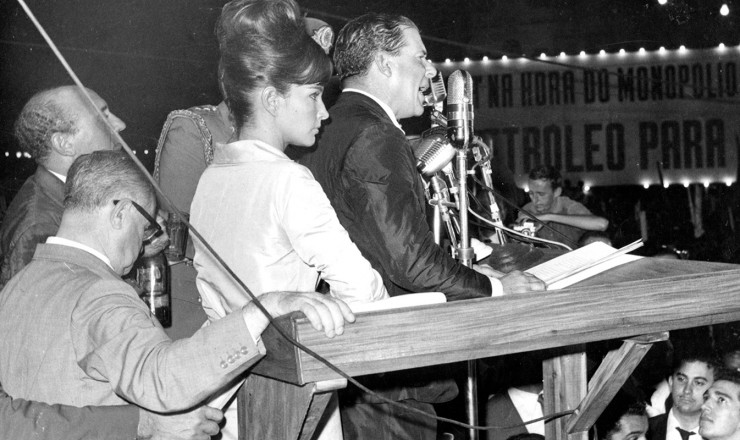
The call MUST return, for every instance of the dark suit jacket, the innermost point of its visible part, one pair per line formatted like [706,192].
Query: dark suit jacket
[22,419]
[367,169]
[501,411]
[32,217]
[657,426]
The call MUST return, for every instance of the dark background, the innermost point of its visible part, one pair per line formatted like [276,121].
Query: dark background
[147,58]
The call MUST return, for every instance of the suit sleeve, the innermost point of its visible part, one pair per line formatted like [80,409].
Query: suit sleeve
[23,419]
[116,339]
[181,160]
[383,183]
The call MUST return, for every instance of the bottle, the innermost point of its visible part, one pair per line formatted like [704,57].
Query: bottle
[152,276]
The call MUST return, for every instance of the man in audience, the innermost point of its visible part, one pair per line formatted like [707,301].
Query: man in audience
[568,218]
[720,416]
[692,376]
[623,419]
[55,127]
[90,339]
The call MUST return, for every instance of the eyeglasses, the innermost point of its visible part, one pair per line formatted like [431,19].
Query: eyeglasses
[153,230]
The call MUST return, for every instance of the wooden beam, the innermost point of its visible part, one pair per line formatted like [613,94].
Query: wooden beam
[609,378]
[299,407]
[444,333]
[564,385]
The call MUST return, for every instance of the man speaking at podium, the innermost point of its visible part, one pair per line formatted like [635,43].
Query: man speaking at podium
[367,169]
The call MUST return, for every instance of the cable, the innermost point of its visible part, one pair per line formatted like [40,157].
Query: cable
[228,269]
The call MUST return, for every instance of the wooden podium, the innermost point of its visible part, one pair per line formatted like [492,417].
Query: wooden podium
[641,301]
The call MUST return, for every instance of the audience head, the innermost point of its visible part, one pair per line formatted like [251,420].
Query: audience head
[385,52]
[266,57]
[692,374]
[104,197]
[731,358]
[545,184]
[58,125]
[720,416]
[623,419]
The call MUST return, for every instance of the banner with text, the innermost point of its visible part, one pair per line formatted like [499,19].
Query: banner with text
[613,119]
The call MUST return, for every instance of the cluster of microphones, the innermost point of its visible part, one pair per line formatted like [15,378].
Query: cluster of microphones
[449,133]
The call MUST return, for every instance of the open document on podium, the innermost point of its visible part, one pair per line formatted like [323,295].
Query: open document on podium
[583,263]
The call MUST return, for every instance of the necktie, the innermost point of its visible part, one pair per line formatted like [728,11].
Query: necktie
[684,433]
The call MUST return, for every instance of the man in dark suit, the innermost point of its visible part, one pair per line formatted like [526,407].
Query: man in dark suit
[692,376]
[366,167]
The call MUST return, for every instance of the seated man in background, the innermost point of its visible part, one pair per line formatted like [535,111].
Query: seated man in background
[90,339]
[568,218]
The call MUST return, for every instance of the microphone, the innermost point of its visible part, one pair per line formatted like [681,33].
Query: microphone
[433,152]
[460,108]
[436,93]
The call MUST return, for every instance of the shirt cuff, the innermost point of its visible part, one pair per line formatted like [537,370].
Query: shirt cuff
[497,289]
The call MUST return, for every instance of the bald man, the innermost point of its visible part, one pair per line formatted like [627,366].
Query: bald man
[55,127]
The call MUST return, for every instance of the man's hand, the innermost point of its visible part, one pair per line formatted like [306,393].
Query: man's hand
[198,424]
[518,282]
[325,313]
[159,243]
[487,270]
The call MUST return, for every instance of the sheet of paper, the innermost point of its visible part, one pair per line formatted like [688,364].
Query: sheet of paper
[571,261]
[397,302]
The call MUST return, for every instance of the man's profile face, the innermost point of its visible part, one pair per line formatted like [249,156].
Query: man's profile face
[631,427]
[720,417]
[410,76]
[542,195]
[688,385]
[92,132]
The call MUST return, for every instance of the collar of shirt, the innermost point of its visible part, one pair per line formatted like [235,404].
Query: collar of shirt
[529,408]
[65,242]
[382,105]
[671,433]
[61,177]
[246,150]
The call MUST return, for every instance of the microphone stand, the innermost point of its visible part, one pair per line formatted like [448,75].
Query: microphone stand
[466,255]
[485,166]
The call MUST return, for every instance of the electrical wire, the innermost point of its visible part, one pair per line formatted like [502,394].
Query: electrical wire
[228,269]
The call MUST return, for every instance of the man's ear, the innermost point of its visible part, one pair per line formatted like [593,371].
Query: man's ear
[558,191]
[270,99]
[118,214]
[62,144]
[670,381]
[384,64]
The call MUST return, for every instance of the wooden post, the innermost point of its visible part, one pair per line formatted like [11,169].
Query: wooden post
[564,384]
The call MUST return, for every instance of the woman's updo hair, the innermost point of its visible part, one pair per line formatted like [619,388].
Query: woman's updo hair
[264,43]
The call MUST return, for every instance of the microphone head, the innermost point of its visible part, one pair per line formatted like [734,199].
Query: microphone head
[436,92]
[433,152]
[460,108]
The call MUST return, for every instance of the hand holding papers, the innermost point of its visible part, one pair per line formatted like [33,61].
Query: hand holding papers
[583,263]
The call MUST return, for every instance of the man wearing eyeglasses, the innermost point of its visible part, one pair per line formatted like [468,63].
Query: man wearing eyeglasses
[72,332]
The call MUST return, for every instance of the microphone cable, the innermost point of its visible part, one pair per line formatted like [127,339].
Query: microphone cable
[228,269]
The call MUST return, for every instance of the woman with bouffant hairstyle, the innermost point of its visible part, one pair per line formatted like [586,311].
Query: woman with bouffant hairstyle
[263,213]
